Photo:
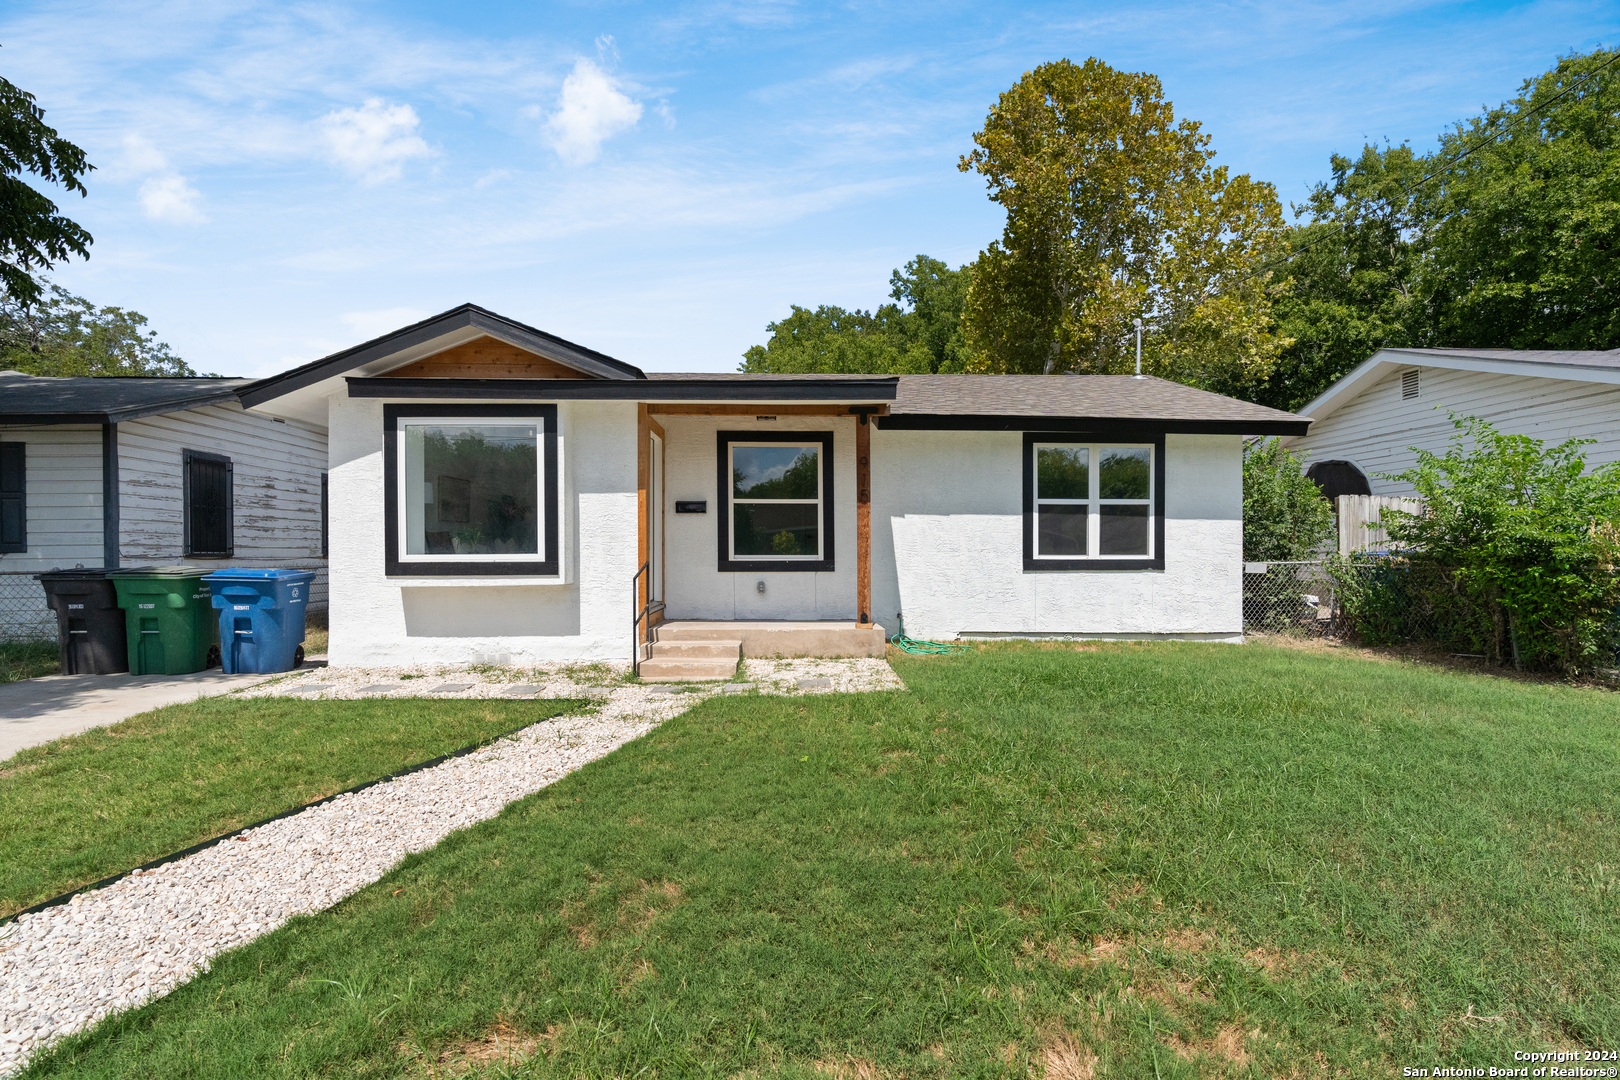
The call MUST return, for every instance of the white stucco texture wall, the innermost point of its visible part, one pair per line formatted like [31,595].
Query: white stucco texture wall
[694,586]
[382,621]
[947,545]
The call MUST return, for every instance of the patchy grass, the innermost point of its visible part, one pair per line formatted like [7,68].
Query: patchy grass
[316,636]
[1129,861]
[80,808]
[29,659]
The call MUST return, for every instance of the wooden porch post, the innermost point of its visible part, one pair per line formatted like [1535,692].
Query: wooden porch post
[643,482]
[863,520]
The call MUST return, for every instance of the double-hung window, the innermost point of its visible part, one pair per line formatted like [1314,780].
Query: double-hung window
[1093,503]
[471,489]
[776,500]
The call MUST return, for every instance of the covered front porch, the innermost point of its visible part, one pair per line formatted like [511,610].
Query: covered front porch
[754,535]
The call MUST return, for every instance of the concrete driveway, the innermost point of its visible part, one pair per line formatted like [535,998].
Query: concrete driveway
[36,711]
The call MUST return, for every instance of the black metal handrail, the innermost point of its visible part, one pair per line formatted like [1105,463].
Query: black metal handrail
[642,611]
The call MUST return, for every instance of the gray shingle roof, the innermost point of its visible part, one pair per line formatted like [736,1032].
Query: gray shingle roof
[1113,397]
[42,399]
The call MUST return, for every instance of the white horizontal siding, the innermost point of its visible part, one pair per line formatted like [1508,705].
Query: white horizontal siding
[276,478]
[63,502]
[1377,430]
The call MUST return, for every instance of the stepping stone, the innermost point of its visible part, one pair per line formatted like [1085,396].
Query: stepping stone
[308,689]
[659,688]
[521,691]
[813,684]
[450,688]
[738,688]
[381,688]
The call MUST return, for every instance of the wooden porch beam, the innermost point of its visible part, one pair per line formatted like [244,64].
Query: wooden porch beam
[643,482]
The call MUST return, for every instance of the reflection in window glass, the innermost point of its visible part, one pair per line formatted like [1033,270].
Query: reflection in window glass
[1123,529]
[1062,529]
[1124,473]
[1061,472]
[472,489]
[776,501]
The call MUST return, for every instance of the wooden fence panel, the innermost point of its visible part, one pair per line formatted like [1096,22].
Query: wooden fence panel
[1359,516]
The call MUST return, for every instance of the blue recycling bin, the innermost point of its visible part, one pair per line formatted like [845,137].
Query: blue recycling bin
[261,618]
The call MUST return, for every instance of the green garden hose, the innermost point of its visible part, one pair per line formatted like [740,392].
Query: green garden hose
[912,645]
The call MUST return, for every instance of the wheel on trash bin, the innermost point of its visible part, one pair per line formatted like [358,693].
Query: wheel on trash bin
[298,657]
[213,656]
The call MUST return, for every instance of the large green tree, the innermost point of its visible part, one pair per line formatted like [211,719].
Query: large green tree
[1506,235]
[921,332]
[1115,212]
[63,334]
[33,235]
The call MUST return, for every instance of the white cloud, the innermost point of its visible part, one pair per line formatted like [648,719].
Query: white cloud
[375,140]
[371,324]
[170,198]
[166,196]
[590,110]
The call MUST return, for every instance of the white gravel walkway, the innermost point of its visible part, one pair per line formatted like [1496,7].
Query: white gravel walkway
[64,968]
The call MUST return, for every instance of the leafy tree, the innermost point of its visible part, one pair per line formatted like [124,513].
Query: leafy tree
[921,332]
[33,236]
[1114,212]
[1515,245]
[1285,518]
[1527,535]
[68,335]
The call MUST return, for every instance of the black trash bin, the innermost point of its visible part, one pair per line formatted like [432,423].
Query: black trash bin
[89,623]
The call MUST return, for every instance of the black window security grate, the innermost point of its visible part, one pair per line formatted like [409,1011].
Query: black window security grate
[13,497]
[208,499]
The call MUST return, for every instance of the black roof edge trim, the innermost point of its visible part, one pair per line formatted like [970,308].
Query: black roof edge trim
[116,416]
[47,419]
[415,334]
[648,390]
[946,422]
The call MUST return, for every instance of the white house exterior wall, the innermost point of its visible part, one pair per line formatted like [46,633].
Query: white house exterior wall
[1377,430]
[947,545]
[276,477]
[63,501]
[584,615]
[695,588]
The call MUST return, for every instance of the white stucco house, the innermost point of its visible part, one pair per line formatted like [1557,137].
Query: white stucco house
[498,492]
[1365,426]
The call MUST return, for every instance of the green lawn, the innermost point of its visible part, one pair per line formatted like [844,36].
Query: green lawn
[78,809]
[1127,861]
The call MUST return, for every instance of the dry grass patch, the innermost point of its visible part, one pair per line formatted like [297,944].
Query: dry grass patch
[502,1044]
[850,1067]
[1229,1044]
[635,912]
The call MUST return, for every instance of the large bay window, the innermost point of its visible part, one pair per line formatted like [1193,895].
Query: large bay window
[471,489]
[775,500]
[1093,504]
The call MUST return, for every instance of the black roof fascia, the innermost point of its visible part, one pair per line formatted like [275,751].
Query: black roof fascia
[882,389]
[467,315]
[1102,425]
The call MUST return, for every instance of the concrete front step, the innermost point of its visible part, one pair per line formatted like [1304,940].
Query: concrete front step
[702,669]
[762,638]
[681,649]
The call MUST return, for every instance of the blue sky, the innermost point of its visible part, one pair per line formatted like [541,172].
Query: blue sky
[277,181]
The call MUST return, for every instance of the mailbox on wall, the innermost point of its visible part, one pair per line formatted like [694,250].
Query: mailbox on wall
[690,506]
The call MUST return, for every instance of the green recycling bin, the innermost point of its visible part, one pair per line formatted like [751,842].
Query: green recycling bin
[169,619]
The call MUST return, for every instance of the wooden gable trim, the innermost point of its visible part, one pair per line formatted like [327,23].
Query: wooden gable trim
[484,358]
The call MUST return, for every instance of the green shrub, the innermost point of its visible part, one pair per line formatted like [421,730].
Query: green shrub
[1513,555]
[1285,518]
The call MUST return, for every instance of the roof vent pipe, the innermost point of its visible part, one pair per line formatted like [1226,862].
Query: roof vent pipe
[1138,325]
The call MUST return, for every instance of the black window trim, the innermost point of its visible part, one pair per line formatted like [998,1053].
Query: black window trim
[326,530]
[728,565]
[1101,563]
[21,495]
[186,458]
[396,567]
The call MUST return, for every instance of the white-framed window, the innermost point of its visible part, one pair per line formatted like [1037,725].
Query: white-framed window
[776,493]
[1094,500]
[471,489]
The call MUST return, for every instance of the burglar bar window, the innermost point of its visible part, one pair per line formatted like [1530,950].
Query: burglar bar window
[208,503]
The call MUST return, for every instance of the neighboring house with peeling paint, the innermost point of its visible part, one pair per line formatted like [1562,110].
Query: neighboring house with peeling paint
[121,472]
[1366,426]
[498,492]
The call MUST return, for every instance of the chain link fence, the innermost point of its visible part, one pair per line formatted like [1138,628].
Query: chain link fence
[1289,597]
[25,617]
[1383,600]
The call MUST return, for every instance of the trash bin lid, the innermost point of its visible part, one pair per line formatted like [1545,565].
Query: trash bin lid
[160,572]
[59,574]
[257,574]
